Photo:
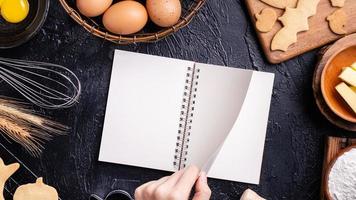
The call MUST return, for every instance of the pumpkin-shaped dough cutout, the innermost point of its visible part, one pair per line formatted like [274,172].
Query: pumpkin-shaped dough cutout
[36,191]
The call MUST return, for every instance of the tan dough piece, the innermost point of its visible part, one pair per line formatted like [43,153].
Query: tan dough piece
[294,20]
[36,191]
[282,4]
[337,21]
[5,172]
[266,19]
[309,7]
[338,3]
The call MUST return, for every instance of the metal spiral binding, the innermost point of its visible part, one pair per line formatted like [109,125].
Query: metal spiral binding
[186,118]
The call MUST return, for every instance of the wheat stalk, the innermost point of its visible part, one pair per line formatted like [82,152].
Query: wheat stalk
[26,128]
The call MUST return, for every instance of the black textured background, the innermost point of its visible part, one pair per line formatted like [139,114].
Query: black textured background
[220,34]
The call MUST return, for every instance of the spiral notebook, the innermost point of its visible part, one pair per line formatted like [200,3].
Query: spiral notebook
[165,114]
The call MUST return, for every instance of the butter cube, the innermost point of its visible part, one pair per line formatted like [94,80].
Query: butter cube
[353,66]
[349,76]
[347,94]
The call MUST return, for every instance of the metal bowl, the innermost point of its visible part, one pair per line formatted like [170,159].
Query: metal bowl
[13,35]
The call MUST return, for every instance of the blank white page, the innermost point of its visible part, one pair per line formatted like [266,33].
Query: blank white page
[220,95]
[240,156]
[229,122]
[143,109]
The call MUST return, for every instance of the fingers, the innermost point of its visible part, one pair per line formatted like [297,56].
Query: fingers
[139,192]
[172,180]
[159,187]
[148,188]
[202,190]
[176,187]
[164,190]
[187,181]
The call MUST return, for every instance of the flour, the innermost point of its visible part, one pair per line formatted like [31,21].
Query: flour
[342,178]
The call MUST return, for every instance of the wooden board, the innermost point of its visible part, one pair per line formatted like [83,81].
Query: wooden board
[333,146]
[318,34]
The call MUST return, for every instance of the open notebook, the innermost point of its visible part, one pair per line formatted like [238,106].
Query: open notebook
[165,114]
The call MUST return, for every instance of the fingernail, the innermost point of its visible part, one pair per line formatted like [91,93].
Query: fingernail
[203,177]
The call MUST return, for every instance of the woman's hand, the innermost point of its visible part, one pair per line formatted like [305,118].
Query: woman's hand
[176,187]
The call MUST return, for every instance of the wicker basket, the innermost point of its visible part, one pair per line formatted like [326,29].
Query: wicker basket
[97,30]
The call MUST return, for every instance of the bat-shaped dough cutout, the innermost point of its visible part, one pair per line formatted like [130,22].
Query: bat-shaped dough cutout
[338,3]
[5,172]
[294,20]
[337,21]
[282,4]
[265,20]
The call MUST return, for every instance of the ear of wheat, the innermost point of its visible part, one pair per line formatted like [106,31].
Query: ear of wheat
[26,128]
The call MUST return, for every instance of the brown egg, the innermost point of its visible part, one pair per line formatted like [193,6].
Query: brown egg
[164,13]
[125,17]
[93,8]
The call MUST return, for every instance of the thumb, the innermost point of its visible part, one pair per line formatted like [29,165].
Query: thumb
[202,190]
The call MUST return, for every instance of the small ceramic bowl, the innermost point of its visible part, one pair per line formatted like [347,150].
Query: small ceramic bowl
[328,169]
[12,35]
[329,79]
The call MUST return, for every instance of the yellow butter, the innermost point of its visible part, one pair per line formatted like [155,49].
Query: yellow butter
[349,76]
[353,66]
[347,94]
[353,88]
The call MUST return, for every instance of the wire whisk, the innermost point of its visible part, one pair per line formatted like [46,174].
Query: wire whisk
[46,85]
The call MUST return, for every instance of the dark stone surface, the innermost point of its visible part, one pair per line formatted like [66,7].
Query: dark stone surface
[220,34]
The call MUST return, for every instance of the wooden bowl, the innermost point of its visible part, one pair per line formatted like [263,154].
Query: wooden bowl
[325,54]
[330,166]
[343,57]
